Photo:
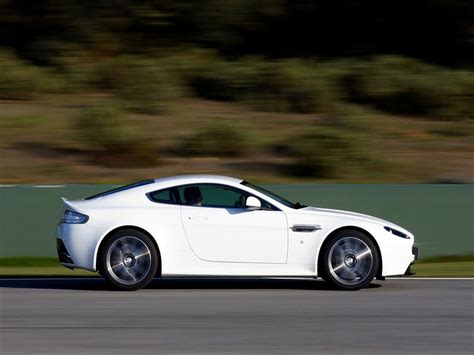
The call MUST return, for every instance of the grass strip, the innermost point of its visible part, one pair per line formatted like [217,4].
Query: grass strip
[29,261]
[38,266]
[43,271]
[446,258]
[446,266]
[444,269]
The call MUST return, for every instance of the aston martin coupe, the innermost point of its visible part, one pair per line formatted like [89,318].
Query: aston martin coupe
[205,225]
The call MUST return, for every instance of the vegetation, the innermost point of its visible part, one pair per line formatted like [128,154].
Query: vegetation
[113,139]
[325,152]
[217,140]
[447,259]
[449,269]
[20,80]
[292,90]
[28,261]
[142,84]
[51,32]
[56,139]
[407,86]
[283,86]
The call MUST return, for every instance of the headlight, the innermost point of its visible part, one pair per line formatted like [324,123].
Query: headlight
[396,232]
[72,217]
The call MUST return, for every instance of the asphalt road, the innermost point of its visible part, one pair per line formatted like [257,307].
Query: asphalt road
[236,316]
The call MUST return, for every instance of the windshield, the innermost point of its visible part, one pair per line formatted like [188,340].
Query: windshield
[274,196]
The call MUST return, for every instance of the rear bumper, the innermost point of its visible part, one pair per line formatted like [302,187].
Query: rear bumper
[63,253]
[77,245]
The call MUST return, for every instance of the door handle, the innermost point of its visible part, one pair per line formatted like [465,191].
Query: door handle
[197,218]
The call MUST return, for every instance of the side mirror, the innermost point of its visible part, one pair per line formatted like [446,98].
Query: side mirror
[253,203]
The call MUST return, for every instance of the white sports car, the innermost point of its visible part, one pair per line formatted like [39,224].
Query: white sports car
[204,225]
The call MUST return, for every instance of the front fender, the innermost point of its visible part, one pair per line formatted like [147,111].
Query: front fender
[395,252]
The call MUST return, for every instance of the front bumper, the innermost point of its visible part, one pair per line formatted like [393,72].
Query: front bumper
[415,252]
[409,272]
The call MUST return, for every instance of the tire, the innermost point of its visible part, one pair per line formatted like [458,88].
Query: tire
[128,260]
[350,260]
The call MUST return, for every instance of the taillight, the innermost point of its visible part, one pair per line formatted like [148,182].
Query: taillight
[73,217]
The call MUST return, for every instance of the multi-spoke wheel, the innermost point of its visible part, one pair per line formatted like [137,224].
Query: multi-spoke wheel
[350,260]
[129,260]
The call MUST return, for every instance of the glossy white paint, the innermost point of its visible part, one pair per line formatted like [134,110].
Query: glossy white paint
[225,241]
[236,234]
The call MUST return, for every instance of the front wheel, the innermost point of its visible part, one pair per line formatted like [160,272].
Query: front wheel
[129,260]
[350,260]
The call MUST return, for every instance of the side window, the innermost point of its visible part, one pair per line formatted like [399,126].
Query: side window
[206,195]
[164,196]
[210,195]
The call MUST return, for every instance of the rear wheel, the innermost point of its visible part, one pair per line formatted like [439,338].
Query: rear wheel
[350,260]
[129,260]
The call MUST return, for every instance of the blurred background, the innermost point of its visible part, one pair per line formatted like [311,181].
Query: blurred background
[360,105]
[95,91]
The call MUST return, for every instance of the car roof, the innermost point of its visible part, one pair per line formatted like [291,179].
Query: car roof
[183,179]
[145,186]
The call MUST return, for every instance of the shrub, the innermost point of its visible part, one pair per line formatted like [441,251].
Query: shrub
[296,86]
[220,140]
[80,76]
[327,152]
[145,85]
[408,86]
[112,138]
[229,80]
[454,129]
[285,86]
[351,118]
[20,80]
[187,64]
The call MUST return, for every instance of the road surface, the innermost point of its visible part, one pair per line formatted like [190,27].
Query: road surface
[71,316]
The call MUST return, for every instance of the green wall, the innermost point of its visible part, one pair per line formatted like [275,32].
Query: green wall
[440,216]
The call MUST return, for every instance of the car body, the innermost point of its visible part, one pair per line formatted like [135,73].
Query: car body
[237,229]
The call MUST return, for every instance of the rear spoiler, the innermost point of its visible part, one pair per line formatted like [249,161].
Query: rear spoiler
[68,204]
[75,205]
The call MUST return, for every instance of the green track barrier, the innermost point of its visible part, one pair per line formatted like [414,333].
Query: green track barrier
[440,216]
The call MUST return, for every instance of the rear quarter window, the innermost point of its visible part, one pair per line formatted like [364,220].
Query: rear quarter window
[121,188]
[164,196]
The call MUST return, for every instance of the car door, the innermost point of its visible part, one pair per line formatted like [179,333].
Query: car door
[221,229]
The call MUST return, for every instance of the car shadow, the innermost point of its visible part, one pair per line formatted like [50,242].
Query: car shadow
[99,284]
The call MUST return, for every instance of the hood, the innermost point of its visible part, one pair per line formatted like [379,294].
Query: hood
[360,216]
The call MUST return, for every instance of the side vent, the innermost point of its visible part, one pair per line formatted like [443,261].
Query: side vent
[305,228]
